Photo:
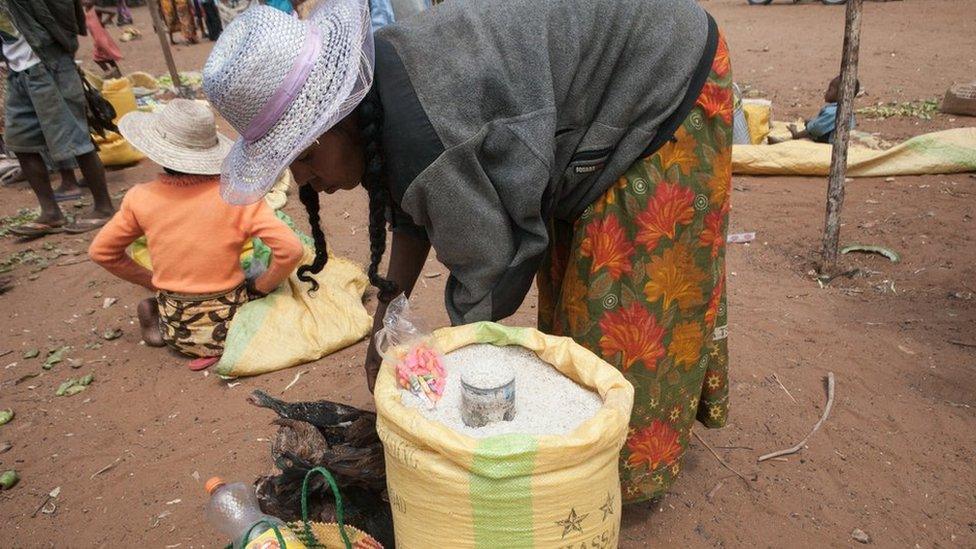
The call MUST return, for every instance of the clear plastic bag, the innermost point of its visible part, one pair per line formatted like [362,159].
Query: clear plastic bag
[401,330]
[404,341]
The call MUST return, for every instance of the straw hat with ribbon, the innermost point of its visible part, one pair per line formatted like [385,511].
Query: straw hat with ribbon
[182,136]
[282,82]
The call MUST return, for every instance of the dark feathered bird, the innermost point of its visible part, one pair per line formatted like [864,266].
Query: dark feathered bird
[340,438]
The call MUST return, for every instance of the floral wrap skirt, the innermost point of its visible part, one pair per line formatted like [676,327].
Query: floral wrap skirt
[639,279]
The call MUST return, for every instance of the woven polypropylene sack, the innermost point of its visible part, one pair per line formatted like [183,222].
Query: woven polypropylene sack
[114,150]
[758,113]
[118,92]
[509,491]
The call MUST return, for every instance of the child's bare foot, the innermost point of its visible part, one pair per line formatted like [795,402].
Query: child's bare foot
[148,312]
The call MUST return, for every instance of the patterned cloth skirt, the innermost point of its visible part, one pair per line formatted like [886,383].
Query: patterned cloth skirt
[196,325]
[639,279]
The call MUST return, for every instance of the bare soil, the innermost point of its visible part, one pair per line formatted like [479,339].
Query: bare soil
[894,459]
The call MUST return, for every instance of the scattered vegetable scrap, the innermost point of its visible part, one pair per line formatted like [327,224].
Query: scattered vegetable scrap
[54,356]
[31,353]
[112,334]
[9,479]
[74,386]
[6,416]
[868,249]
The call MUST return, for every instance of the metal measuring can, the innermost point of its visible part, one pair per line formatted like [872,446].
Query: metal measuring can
[488,397]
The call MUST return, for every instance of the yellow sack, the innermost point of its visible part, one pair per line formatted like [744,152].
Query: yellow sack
[118,92]
[290,327]
[450,490]
[947,151]
[758,114]
[143,80]
[114,150]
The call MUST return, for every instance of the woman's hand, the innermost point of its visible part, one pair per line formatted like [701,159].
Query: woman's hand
[372,365]
[407,258]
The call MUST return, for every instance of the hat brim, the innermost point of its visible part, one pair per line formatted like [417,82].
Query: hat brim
[252,167]
[139,129]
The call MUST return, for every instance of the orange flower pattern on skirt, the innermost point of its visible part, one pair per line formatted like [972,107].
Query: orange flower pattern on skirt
[608,245]
[639,279]
[671,206]
[654,446]
[634,334]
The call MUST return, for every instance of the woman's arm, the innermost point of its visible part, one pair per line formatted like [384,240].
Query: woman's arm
[108,247]
[407,258]
[286,249]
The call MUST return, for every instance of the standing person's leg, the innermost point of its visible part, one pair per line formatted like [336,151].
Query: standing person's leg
[24,136]
[122,14]
[185,13]
[59,99]
[69,189]
[35,170]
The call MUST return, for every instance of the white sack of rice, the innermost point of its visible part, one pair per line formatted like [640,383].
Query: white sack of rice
[546,401]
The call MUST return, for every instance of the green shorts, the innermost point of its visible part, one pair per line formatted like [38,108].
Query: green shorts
[46,111]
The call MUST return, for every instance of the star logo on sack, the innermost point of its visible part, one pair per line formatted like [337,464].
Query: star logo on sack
[572,522]
[607,507]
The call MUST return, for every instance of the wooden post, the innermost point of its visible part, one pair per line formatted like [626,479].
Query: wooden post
[842,133]
[156,11]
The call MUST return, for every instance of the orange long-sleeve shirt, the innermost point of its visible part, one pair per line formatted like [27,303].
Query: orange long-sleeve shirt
[194,237]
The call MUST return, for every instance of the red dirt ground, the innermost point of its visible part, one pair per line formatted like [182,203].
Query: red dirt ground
[894,459]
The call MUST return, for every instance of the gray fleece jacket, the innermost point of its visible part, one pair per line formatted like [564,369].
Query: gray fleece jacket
[540,106]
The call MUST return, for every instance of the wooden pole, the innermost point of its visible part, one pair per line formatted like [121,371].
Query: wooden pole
[842,134]
[155,11]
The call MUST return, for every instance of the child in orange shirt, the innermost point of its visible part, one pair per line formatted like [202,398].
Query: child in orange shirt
[194,237]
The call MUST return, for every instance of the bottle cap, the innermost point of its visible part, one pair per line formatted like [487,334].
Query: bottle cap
[212,484]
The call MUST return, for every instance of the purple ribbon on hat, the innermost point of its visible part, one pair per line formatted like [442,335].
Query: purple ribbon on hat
[288,89]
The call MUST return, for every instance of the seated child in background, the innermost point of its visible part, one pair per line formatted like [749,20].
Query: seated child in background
[821,128]
[194,237]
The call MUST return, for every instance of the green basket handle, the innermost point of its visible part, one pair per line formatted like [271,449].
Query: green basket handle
[338,499]
[273,526]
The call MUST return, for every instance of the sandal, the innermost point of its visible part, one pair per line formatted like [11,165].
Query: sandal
[67,197]
[85,225]
[202,363]
[36,229]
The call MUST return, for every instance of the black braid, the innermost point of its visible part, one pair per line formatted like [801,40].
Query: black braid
[370,124]
[310,199]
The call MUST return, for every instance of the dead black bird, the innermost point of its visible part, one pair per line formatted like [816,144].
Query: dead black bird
[340,438]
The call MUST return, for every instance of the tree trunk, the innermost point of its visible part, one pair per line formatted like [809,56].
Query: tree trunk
[156,12]
[842,133]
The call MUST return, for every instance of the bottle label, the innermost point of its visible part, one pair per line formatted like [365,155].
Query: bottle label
[268,540]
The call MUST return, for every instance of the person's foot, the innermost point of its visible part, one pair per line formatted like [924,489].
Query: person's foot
[148,312]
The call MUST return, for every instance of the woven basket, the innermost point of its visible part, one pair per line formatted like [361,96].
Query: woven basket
[328,536]
[322,535]
[960,99]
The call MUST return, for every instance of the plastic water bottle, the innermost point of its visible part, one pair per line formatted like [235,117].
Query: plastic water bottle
[233,509]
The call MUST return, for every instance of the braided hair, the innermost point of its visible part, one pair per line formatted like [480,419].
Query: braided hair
[370,125]
[370,113]
[310,199]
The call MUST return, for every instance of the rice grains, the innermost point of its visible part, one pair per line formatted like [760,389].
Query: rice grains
[546,401]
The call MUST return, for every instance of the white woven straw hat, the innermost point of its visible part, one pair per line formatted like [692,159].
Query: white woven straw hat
[282,82]
[182,136]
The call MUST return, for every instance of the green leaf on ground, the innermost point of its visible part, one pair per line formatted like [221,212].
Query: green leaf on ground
[54,356]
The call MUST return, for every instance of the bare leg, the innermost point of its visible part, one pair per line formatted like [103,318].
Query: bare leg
[36,173]
[69,184]
[94,174]
[148,312]
[116,71]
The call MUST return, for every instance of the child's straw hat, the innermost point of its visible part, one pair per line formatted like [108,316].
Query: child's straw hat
[282,82]
[182,136]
